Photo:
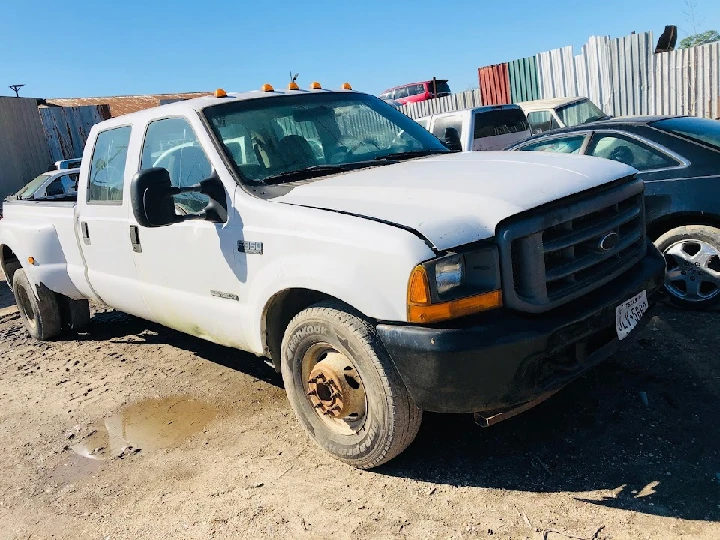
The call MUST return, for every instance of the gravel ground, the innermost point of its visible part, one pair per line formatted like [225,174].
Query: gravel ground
[136,431]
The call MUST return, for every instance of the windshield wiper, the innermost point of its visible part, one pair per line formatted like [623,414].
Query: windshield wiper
[318,170]
[411,154]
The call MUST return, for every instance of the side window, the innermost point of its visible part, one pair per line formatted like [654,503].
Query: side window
[63,185]
[55,188]
[541,121]
[629,151]
[107,168]
[402,92]
[563,145]
[172,144]
[444,122]
[416,89]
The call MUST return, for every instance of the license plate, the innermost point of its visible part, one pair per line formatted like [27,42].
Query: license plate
[629,313]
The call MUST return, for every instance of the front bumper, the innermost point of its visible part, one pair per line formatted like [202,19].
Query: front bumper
[504,359]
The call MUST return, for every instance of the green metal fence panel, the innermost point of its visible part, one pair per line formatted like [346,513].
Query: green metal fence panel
[523,79]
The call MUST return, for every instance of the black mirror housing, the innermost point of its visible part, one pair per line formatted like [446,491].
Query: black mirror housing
[452,139]
[151,197]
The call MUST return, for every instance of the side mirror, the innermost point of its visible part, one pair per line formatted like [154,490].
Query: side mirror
[151,197]
[452,139]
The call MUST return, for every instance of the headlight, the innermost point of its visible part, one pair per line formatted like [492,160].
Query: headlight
[455,285]
[449,273]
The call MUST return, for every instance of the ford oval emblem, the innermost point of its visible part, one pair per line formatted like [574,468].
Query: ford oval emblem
[609,241]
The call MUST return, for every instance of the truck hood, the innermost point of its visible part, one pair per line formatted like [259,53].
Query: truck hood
[455,199]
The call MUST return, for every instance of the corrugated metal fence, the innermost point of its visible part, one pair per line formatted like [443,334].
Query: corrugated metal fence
[623,76]
[24,152]
[67,128]
[32,139]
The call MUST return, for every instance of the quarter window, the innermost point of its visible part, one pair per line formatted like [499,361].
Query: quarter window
[107,168]
[172,144]
[629,151]
[563,145]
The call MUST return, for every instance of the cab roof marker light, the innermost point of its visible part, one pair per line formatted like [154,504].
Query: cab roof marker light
[293,86]
[220,93]
[315,86]
[267,88]
[346,86]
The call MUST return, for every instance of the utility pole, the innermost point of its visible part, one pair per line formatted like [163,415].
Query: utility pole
[16,88]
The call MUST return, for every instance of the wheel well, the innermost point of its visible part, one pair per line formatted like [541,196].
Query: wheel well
[279,311]
[9,264]
[660,226]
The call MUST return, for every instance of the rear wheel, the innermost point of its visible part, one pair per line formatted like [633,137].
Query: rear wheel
[692,253]
[39,309]
[344,388]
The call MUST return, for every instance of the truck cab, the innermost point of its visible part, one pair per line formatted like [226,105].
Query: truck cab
[382,274]
[555,113]
[493,127]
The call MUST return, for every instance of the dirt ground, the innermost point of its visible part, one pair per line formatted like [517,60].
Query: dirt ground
[136,431]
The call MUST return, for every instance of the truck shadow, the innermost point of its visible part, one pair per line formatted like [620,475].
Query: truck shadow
[119,327]
[644,426]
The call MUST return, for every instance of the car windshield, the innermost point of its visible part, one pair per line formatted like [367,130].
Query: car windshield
[699,129]
[275,138]
[29,190]
[580,112]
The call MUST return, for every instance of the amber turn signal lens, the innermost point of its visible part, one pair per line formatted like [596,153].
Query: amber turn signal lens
[31,260]
[426,314]
[418,287]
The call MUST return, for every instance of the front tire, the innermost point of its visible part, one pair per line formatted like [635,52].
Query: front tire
[692,253]
[344,388]
[39,310]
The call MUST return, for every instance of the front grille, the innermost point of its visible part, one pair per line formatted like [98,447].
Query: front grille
[554,255]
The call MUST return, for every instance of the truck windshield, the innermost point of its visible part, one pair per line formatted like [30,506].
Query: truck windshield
[31,187]
[580,112]
[274,137]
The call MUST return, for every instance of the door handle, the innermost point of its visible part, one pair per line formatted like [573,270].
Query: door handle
[135,238]
[85,232]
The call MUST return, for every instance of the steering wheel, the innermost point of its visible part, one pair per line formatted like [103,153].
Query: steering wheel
[355,144]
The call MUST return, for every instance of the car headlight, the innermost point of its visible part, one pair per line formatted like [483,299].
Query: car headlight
[455,285]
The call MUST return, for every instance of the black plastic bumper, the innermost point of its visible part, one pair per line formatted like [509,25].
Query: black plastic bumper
[503,359]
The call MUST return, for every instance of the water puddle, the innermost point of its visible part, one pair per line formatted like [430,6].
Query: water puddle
[145,426]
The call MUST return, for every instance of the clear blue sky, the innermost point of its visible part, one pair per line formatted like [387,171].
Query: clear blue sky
[76,48]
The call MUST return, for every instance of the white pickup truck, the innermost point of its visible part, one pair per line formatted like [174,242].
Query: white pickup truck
[382,274]
[493,127]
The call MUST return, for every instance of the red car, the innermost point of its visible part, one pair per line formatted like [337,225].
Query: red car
[419,91]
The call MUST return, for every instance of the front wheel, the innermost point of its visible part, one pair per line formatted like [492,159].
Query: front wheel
[692,253]
[344,388]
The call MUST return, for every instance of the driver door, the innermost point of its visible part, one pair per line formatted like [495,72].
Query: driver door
[187,270]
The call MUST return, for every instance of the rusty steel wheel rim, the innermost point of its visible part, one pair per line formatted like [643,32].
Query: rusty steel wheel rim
[334,389]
